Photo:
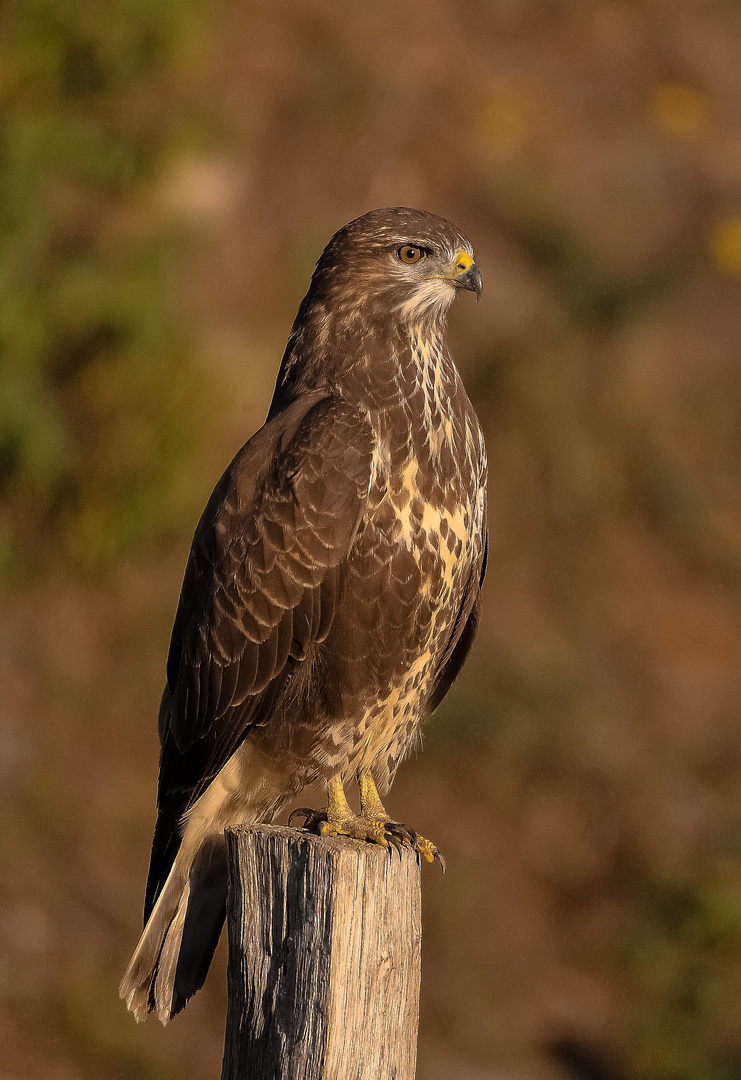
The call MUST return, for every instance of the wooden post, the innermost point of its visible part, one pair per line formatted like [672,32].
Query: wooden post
[324,958]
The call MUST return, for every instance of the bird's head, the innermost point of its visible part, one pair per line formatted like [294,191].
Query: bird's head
[396,261]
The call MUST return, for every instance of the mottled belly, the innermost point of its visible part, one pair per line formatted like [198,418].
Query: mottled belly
[411,567]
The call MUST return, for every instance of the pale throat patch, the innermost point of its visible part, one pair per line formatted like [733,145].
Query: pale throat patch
[431,296]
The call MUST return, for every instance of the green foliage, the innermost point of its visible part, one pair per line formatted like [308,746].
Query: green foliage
[93,406]
[681,952]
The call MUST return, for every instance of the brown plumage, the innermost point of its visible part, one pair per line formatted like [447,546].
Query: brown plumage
[332,590]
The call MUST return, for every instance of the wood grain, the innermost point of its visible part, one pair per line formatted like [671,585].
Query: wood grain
[324,958]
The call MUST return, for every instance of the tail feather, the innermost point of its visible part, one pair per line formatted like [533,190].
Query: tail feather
[137,984]
[164,980]
[176,948]
[203,921]
[187,885]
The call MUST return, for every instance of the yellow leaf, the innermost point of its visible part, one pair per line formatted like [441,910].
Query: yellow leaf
[725,244]
[680,110]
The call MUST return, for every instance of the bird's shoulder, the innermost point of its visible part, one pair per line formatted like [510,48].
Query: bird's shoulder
[310,460]
[283,514]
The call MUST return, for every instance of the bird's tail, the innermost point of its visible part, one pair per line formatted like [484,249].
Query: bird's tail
[175,950]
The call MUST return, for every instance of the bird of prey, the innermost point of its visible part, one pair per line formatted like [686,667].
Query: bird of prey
[332,589]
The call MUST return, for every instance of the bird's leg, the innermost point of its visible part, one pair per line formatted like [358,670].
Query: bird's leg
[339,820]
[342,822]
[373,810]
[339,814]
[370,801]
[373,824]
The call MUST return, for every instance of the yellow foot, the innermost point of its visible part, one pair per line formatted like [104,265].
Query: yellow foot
[376,830]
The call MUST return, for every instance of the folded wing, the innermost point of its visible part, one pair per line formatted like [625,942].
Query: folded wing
[260,589]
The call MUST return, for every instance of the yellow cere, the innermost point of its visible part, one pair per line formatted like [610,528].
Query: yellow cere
[462,261]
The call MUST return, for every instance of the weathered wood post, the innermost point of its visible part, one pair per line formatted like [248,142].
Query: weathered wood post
[324,958]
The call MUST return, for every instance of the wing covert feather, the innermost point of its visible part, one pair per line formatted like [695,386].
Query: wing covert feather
[261,582]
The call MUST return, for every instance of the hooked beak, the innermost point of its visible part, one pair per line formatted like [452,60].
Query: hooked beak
[469,276]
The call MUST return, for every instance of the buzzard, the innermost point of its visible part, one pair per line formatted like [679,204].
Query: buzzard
[332,589]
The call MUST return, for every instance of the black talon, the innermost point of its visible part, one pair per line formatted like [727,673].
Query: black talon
[391,840]
[311,817]
[403,833]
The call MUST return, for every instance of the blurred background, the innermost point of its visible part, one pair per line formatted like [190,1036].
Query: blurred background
[169,172]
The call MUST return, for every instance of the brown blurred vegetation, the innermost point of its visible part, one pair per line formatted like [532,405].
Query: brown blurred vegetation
[168,174]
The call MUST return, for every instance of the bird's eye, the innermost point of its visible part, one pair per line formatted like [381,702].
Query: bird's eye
[411,254]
